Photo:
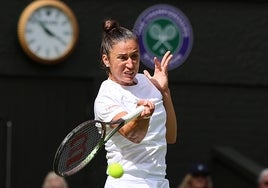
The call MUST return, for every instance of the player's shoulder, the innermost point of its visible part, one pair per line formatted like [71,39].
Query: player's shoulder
[141,77]
[109,87]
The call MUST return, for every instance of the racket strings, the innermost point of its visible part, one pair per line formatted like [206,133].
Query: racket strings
[82,142]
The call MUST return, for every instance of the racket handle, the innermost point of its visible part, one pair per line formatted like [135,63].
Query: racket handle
[133,114]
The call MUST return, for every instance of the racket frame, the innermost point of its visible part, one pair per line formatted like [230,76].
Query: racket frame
[103,139]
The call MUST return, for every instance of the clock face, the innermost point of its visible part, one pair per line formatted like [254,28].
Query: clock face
[48,33]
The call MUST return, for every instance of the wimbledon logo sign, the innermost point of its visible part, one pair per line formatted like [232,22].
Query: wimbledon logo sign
[161,28]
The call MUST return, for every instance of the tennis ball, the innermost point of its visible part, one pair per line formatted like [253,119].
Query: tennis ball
[115,170]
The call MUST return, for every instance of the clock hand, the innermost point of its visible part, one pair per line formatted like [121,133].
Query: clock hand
[44,28]
[50,33]
[60,39]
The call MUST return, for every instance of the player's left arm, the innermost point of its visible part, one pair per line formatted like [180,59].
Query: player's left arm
[160,80]
[171,123]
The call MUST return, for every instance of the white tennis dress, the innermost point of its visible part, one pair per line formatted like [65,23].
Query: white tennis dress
[144,164]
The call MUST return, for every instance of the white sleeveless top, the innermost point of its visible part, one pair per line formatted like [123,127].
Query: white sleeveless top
[146,159]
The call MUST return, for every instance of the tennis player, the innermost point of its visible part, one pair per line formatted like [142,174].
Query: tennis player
[141,145]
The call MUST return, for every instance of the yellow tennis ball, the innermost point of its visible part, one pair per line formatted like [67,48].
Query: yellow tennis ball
[115,170]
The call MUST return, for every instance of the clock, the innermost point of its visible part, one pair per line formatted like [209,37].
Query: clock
[47,31]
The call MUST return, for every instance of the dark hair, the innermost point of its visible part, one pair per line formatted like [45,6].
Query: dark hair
[112,34]
[199,169]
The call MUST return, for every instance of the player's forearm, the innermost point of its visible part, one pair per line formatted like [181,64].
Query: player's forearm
[135,130]
[171,124]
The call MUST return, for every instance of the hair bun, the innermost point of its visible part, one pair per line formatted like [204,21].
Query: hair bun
[110,24]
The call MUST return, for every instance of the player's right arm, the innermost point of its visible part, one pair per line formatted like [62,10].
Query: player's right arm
[136,129]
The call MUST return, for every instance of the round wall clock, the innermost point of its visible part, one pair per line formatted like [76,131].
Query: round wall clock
[47,31]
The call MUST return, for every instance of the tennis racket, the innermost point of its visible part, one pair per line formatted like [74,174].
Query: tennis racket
[82,144]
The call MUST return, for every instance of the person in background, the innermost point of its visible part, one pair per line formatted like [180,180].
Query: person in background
[263,179]
[197,177]
[140,146]
[52,180]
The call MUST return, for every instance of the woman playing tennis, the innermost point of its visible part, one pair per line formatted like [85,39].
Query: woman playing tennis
[141,145]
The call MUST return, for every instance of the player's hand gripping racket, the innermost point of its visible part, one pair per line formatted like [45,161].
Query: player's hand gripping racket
[82,144]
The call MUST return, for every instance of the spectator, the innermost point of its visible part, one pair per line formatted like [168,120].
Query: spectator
[263,179]
[197,177]
[52,180]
